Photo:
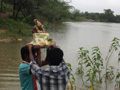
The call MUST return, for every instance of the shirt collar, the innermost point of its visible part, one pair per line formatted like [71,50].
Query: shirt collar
[54,67]
[26,62]
[57,68]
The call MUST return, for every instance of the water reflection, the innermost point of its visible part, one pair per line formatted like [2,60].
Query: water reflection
[9,62]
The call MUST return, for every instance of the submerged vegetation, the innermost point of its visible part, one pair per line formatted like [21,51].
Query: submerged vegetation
[95,69]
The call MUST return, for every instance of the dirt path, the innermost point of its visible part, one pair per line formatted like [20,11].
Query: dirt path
[5,40]
[2,31]
[4,15]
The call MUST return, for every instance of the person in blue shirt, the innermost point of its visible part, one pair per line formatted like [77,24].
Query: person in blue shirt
[27,80]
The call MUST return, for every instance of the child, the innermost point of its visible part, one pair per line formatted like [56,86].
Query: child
[27,80]
[56,76]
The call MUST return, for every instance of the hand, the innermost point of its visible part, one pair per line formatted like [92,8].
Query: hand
[54,45]
[42,26]
[36,48]
[29,46]
[31,57]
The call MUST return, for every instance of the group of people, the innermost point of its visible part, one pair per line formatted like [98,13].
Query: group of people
[34,77]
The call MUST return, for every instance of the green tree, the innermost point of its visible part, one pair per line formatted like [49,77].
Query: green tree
[55,10]
[117,18]
[108,15]
[1,4]
[76,14]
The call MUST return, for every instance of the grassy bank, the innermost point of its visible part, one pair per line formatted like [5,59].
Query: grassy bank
[11,29]
[14,28]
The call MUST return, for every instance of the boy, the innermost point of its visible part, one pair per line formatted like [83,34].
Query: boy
[27,80]
[56,76]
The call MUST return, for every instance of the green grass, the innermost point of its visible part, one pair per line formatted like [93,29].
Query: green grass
[15,28]
[2,35]
[21,26]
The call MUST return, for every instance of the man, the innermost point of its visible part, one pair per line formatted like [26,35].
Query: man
[27,80]
[56,76]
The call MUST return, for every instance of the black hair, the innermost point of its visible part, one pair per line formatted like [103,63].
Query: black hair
[54,55]
[24,51]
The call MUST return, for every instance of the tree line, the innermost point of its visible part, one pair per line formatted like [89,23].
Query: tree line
[55,11]
[52,10]
[107,16]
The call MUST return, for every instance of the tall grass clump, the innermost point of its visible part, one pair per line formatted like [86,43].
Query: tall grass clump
[94,70]
[15,27]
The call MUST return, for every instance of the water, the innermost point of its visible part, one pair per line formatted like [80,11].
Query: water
[69,36]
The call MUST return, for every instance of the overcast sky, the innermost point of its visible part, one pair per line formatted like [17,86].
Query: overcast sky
[97,5]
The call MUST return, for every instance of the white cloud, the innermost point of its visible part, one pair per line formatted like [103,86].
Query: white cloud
[97,5]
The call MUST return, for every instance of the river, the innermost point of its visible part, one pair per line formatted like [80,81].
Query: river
[69,36]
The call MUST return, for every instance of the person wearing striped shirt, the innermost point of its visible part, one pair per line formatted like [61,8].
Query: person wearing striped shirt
[56,76]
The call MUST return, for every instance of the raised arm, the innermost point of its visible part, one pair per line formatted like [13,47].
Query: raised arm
[35,69]
[38,50]
[43,28]
[30,53]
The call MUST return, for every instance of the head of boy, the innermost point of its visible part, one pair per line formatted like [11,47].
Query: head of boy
[25,53]
[54,56]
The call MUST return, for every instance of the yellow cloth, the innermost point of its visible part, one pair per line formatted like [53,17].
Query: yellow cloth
[40,39]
